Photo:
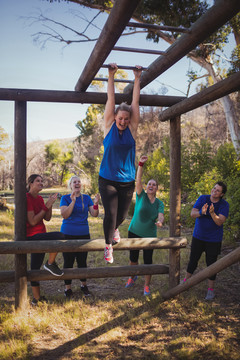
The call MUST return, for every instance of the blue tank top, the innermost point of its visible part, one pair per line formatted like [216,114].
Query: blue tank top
[118,163]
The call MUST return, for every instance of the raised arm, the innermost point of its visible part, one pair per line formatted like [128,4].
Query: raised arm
[110,104]
[139,185]
[135,116]
[94,209]
[66,211]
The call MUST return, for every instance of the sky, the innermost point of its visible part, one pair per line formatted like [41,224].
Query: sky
[25,64]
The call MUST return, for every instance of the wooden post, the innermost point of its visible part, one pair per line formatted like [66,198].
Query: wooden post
[20,201]
[175,197]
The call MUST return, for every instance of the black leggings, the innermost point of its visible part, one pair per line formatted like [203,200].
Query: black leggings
[69,257]
[37,259]
[116,199]
[134,254]
[211,249]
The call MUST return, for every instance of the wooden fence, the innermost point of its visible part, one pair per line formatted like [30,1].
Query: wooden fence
[174,244]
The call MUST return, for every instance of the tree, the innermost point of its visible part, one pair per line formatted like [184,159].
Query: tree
[6,167]
[177,13]
[58,161]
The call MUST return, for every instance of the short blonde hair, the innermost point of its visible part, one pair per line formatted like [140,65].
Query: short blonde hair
[69,185]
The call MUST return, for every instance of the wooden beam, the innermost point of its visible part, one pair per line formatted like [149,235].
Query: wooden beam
[115,80]
[26,247]
[158,27]
[213,19]
[175,198]
[126,67]
[136,50]
[83,97]
[221,264]
[100,272]
[214,92]
[118,18]
[20,217]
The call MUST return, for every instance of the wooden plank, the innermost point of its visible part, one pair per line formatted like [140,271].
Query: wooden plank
[158,27]
[20,201]
[118,18]
[26,247]
[221,264]
[213,19]
[83,98]
[214,92]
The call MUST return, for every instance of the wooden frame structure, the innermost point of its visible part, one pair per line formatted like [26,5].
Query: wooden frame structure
[121,13]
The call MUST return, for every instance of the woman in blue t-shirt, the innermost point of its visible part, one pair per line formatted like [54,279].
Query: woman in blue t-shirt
[117,170]
[74,210]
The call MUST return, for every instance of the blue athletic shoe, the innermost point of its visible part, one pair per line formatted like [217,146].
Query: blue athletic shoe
[131,282]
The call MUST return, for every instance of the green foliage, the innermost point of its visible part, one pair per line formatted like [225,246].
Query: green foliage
[87,125]
[226,160]
[233,198]
[195,160]
[91,168]
[58,161]
[157,166]
[3,143]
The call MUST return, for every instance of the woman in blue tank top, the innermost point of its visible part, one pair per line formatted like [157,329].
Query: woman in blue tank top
[117,170]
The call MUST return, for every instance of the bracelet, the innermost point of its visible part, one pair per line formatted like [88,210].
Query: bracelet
[95,207]
[200,212]
[45,208]
[140,163]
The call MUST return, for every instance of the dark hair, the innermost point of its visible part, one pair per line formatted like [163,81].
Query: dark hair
[31,179]
[153,180]
[123,107]
[224,186]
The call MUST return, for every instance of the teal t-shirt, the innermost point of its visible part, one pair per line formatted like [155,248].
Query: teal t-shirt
[145,215]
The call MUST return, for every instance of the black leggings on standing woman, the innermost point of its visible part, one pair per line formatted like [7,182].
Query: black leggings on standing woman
[116,198]
[69,257]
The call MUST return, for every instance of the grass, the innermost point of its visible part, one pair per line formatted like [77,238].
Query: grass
[115,323]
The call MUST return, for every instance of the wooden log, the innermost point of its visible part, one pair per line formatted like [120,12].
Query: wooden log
[115,80]
[90,273]
[214,92]
[137,50]
[219,265]
[158,27]
[84,98]
[175,198]
[20,134]
[118,18]
[7,276]
[207,24]
[40,246]
[175,176]
[126,67]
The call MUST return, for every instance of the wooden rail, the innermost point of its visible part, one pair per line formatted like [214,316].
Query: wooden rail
[174,244]
[27,247]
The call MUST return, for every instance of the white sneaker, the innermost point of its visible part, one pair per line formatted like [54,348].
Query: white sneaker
[108,254]
[116,237]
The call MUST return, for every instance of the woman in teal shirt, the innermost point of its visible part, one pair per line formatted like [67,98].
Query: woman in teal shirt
[148,215]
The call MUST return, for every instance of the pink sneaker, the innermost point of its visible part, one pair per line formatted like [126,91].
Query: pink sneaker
[116,237]
[108,254]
